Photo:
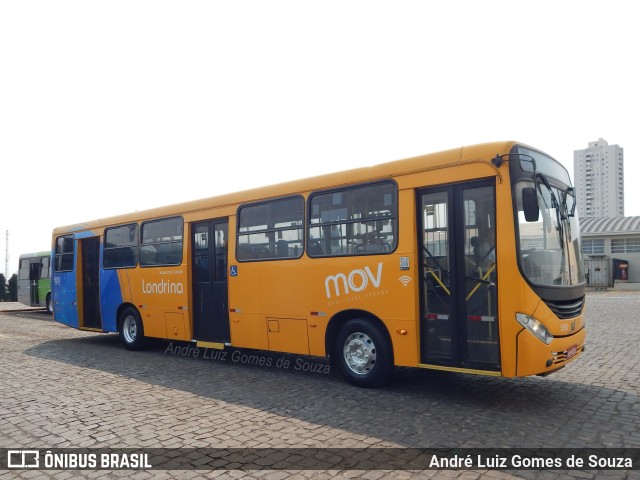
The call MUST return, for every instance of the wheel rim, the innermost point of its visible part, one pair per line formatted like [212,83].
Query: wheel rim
[359,353]
[129,329]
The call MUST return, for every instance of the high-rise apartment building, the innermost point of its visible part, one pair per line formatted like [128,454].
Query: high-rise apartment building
[598,174]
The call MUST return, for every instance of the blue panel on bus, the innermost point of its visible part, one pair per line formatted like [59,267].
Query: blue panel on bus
[110,299]
[64,298]
[64,289]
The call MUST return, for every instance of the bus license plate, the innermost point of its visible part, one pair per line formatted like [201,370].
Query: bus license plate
[571,351]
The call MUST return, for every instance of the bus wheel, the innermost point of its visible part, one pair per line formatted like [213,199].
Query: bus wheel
[131,332]
[49,304]
[364,354]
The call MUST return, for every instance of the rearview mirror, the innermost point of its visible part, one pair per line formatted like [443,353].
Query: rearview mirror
[530,204]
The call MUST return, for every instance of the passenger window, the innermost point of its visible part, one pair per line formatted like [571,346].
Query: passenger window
[121,246]
[25,269]
[64,253]
[45,267]
[360,220]
[161,242]
[271,230]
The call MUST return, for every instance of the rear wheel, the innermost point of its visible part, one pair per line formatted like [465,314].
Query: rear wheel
[364,354]
[49,304]
[131,331]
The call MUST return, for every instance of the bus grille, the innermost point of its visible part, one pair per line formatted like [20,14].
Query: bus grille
[563,356]
[566,309]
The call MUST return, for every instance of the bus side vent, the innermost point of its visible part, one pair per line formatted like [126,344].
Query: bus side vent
[566,309]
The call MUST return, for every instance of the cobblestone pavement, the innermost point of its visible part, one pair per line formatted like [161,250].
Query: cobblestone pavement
[16,306]
[64,388]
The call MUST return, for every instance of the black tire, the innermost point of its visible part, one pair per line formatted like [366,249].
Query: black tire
[363,353]
[49,304]
[131,331]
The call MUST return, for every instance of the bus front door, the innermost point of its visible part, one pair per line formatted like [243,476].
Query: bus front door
[458,301]
[210,301]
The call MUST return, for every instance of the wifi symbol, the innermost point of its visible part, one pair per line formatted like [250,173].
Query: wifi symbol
[405,280]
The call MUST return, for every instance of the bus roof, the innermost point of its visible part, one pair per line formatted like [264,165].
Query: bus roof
[382,171]
[43,253]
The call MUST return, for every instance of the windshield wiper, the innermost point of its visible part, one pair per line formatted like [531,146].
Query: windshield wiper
[560,213]
[565,209]
[570,192]
[545,181]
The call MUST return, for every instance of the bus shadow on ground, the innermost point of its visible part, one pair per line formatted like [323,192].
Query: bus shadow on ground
[419,408]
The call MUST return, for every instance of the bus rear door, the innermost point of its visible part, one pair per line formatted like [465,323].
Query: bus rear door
[90,275]
[210,289]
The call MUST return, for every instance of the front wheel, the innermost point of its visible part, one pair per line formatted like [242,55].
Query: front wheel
[131,332]
[364,354]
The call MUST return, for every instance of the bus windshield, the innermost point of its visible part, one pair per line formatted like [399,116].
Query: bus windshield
[550,246]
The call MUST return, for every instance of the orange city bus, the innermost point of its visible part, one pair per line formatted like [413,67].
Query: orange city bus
[467,260]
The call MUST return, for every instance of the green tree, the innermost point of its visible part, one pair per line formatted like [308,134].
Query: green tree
[3,288]
[13,288]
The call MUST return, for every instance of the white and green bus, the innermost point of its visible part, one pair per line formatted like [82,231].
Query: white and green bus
[34,280]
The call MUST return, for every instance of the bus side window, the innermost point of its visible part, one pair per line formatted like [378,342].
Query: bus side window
[64,253]
[271,230]
[120,248]
[359,220]
[161,242]
[148,255]
[314,248]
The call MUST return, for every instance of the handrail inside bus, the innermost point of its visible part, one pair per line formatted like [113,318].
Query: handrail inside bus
[439,268]
[481,281]
[431,270]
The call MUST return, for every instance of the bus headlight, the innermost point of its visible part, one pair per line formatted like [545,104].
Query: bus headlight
[535,326]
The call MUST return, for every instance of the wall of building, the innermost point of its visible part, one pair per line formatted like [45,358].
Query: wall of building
[620,247]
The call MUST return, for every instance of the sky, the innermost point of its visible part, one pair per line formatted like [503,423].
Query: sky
[111,107]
